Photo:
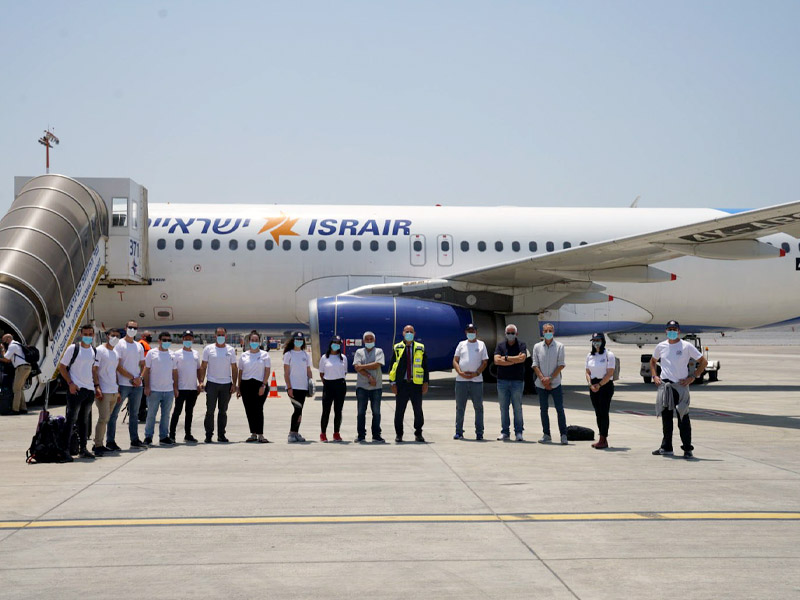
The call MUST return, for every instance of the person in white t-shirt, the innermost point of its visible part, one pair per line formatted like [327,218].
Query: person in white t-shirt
[15,356]
[106,398]
[129,378]
[469,361]
[187,363]
[600,366]
[673,387]
[333,370]
[219,363]
[76,367]
[296,373]
[160,386]
[254,368]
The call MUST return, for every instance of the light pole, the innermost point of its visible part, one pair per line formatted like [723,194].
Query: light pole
[48,140]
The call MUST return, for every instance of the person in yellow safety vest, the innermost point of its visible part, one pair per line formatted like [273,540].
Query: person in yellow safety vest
[409,378]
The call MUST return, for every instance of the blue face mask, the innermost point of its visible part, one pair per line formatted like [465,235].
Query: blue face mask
[254,345]
[511,336]
[335,347]
[548,336]
[597,345]
[220,339]
[409,337]
[298,343]
[166,345]
[187,343]
[471,336]
[369,345]
[672,335]
[87,339]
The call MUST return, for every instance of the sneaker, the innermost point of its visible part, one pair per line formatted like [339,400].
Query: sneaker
[167,441]
[112,447]
[399,439]
[688,454]
[503,437]
[148,441]
[662,452]
[546,439]
[100,450]
[458,436]
[299,437]
[360,440]
[378,439]
[323,437]
[262,440]
[138,444]
[337,437]
[84,453]
[518,437]
[190,438]
[564,440]
[66,457]
[208,440]
[253,438]
[292,439]
[222,439]
[418,438]
[478,436]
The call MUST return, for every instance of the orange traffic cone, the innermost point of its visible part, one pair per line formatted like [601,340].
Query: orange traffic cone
[273,387]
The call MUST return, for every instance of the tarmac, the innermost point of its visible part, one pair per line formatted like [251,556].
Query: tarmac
[444,519]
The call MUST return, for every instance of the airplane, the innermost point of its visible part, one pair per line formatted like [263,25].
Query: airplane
[344,269]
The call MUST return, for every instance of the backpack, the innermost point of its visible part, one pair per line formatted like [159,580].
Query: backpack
[46,443]
[576,433]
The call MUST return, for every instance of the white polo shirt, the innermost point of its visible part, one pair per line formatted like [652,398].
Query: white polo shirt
[160,364]
[333,366]
[15,354]
[254,364]
[298,361]
[599,364]
[187,362]
[130,355]
[106,363]
[81,370]
[675,358]
[219,363]
[470,356]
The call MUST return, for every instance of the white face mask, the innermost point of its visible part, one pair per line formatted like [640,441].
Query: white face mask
[113,341]
[131,331]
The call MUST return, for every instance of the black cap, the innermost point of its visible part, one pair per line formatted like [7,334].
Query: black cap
[336,339]
[298,335]
[673,323]
[187,332]
[470,326]
[598,335]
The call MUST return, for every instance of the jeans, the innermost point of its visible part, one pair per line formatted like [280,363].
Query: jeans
[509,391]
[684,426]
[408,392]
[154,401]
[373,398]
[474,390]
[188,397]
[254,405]
[217,393]
[134,396]
[297,413]
[558,401]
[79,408]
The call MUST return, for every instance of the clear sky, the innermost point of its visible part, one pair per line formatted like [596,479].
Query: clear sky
[686,103]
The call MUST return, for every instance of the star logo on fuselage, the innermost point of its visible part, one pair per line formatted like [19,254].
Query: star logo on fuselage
[278,226]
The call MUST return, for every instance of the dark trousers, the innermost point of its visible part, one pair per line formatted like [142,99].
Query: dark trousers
[684,426]
[79,409]
[333,392]
[297,416]
[254,404]
[188,398]
[373,398]
[217,394]
[601,400]
[406,392]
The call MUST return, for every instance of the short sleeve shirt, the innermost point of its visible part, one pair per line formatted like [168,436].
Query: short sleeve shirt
[599,364]
[187,362]
[81,370]
[130,355]
[106,362]
[219,363]
[470,356]
[15,354]
[675,358]
[298,361]
[333,366]
[365,356]
[161,365]
[547,357]
[254,364]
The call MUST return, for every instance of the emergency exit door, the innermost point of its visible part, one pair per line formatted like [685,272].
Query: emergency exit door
[417,248]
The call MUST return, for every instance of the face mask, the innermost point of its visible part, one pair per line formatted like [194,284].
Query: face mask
[187,343]
[548,336]
[298,343]
[166,345]
[131,331]
[335,347]
[113,341]
[254,345]
[369,345]
[87,339]
[597,345]
[471,336]
[220,339]
[409,337]
[672,335]
[511,336]
[148,339]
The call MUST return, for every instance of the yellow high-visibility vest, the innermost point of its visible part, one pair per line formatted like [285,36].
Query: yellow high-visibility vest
[417,372]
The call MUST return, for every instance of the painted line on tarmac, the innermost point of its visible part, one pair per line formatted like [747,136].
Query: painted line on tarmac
[356,519]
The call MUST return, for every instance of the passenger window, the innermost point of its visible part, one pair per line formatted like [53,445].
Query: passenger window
[339,245]
[498,246]
[161,244]
[550,246]
[567,245]
[515,246]
[321,245]
[215,244]
[287,244]
[304,245]
[373,245]
[269,245]
[179,244]
[445,246]
[356,245]
[582,244]
[233,244]
[391,245]
[197,244]
[786,247]
[465,246]
[417,246]
[482,246]
[251,244]
[532,246]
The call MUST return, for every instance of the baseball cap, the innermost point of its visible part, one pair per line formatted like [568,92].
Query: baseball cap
[470,326]
[187,332]
[673,323]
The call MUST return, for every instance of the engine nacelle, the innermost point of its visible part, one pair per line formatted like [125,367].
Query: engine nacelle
[439,326]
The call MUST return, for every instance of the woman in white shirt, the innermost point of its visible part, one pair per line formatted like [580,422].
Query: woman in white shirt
[600,365]
[296,373]
[332,370]
[253,383]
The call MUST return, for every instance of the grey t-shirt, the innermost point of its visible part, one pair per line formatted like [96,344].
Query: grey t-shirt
[365,357]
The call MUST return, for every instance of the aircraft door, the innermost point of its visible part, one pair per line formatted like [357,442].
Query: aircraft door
[417,247]
[444,250]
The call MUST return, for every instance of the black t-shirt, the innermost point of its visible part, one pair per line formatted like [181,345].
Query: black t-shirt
[514,372]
